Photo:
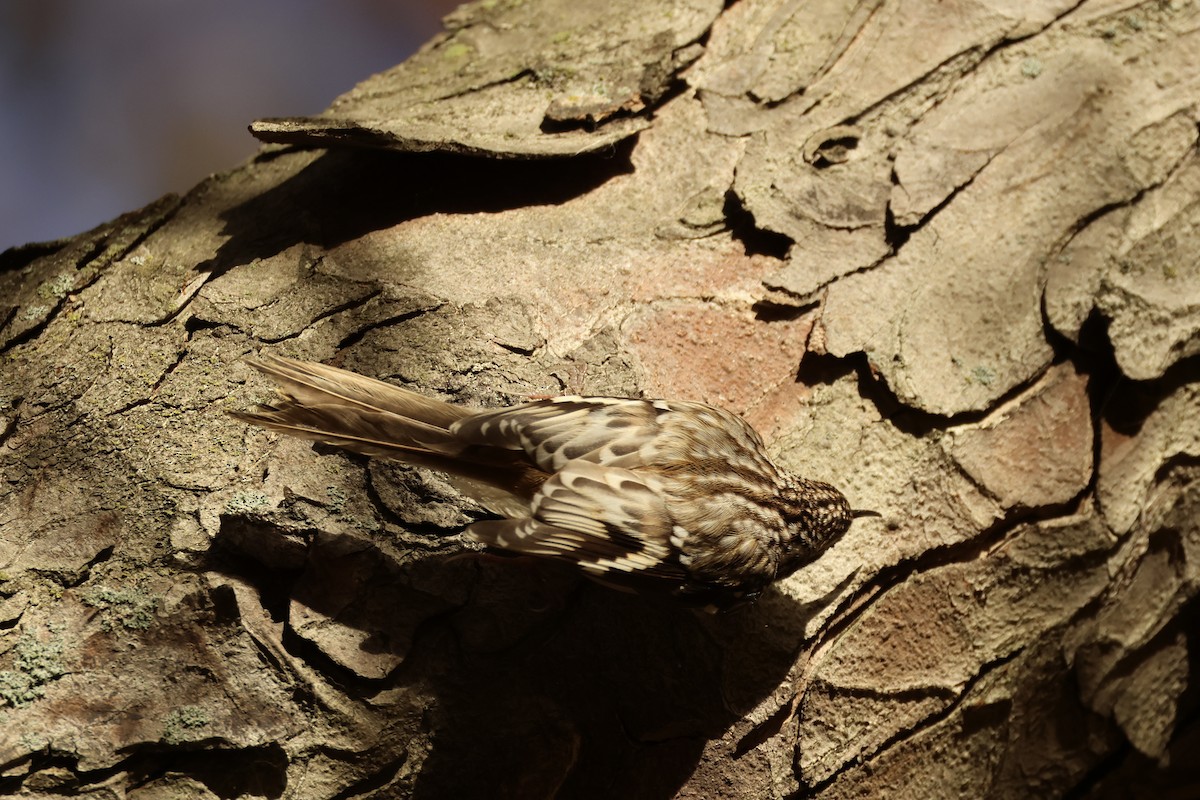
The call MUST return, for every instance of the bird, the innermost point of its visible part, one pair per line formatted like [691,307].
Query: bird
[645,495]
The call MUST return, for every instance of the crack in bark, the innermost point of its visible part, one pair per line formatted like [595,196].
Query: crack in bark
[85,572]
[904,735]
[378,779]
[808,299]
[260,770]
[85,265]
[187,293]
[898,574]
[149,398]
[327,314]
[10,420]
[476,88]
[357,335]
[742,227]
[6,320]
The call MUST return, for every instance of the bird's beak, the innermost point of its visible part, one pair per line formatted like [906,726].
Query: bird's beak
[859,513]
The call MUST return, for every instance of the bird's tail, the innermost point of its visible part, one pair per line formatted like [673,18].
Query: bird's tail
[357,413]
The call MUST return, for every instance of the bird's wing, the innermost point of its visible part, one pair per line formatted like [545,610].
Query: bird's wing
[609,431]
[607,520]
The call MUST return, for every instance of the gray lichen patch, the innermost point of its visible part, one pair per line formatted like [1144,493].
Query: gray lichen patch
[193,674]
[130,609]
[247,502]
[36,661]
[186,723]
[57,287]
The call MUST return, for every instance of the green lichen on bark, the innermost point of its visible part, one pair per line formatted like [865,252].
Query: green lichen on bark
[35,664]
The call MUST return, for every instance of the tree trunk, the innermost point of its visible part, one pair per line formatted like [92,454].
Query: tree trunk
[942,255]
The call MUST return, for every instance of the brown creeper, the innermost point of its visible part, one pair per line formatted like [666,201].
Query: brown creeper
[638,493]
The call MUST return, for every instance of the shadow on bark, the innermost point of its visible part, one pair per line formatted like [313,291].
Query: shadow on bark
[542,682]
[344,194]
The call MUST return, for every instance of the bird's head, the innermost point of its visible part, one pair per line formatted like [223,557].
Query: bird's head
[816,515]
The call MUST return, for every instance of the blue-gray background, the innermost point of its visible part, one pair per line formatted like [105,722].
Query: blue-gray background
[105,106]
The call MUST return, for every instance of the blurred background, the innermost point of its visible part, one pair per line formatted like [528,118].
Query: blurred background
[105,106]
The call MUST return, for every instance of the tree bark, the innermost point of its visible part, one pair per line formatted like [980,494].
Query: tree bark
[941,255]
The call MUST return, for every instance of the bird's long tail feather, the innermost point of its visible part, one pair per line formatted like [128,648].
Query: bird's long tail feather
[377,419]
[336,407]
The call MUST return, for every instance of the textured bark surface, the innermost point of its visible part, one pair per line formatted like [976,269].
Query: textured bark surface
[943,256]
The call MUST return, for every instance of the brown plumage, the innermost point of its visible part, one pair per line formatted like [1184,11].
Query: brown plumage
[642,493]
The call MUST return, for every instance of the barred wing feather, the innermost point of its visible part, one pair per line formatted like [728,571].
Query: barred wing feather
[605,519]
